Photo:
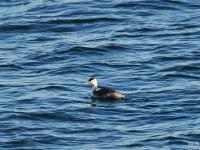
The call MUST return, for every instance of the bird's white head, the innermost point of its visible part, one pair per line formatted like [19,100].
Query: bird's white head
[93,81]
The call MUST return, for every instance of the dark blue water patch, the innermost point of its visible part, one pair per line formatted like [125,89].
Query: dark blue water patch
[146,29]
[111,65]
[43,116]
[126,5]
[23,143]
[171,117]
[34,27]
[173,58]
[23,28]
[46,57]
[160,5]
[194,6]
[29,101]
[183,68]
[194,137]
[10,66]
[107,110]
[45,8]
[115,47]
[167,34]
[54,87]
[42,39]
[89,130]
[10,3]
[51,59]
[83,21]
[177,141]
[3,85]
[180,76]
[144,13]
[37,56]
[35,72]
[58,116]
[81,50]
[193,110]
[61,29]
[126,35]
[16,28]
[194,91]
[132,145]
[183,3]
[73,69]
[190,103]
[184,25]
[137,31]
[17,142]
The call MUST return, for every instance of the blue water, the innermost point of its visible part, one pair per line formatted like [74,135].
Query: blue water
[148,50]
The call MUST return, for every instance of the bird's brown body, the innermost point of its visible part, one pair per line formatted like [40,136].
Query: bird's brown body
[104,92]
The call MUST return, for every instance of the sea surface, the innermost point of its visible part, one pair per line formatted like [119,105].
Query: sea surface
[147,49]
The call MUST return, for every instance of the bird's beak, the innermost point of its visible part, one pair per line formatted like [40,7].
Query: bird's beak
[86,82]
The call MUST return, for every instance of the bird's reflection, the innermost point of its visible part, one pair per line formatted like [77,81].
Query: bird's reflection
[95,100]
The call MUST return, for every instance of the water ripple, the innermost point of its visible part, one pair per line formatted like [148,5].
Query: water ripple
[148,50]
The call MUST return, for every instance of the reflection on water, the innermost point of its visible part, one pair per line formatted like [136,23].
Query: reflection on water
[96,100]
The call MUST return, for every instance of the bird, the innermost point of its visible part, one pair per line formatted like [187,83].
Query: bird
[104,92]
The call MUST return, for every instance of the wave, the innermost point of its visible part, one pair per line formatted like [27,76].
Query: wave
[15,27]
[159,5]
[80,50]
[83,21]
[11,66]
[182,68]
[53,87]
[184,76]
[170,58]
[61,29]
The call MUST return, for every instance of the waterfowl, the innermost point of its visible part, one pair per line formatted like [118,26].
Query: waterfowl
[104,92]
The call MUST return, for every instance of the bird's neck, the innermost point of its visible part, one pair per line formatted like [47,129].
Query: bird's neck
[94,87]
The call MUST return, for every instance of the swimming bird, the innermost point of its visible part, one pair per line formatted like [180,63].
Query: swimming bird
[104,92]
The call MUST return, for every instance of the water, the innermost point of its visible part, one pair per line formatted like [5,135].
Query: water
[148,50]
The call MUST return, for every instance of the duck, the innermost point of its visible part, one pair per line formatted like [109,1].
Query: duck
[104,92]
